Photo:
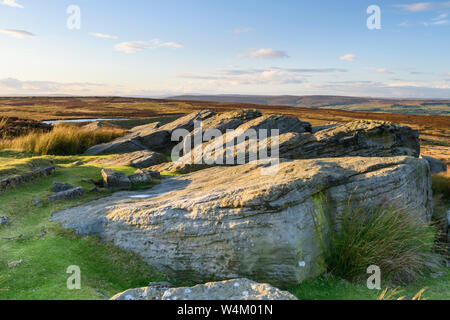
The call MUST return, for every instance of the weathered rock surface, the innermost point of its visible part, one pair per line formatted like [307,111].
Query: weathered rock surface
[61,186]
[148,126]
[137,159]
[236,289]
[436,165]
[226,121]
[151,173]
[140,178]
[230,222]
[149,137]
[324,127]
[67,194]
[115,180]
[358,138]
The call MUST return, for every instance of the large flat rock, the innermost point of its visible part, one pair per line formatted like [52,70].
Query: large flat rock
[230,222]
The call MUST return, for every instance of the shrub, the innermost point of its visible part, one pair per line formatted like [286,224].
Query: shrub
[62,140]
[388,237]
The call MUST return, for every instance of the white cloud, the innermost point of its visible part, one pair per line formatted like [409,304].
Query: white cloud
[20,34]
[440,22]
[171,45]
[382,70]
[103,35]
[131,46]
[136,46]
[348,57]
[423,6]
[440,17]
[265,54]
[12,4]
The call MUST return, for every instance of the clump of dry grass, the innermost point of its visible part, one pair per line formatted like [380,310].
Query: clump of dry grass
[391,238]
[441,185]
[62,140]
[386,295]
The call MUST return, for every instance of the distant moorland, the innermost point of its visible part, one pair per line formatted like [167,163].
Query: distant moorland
[406,106]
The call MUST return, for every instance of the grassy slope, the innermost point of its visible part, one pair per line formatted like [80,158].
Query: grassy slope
[47,250]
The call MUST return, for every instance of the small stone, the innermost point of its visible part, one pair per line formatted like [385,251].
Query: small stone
[14,264]
[37,202]
[151,173]
[94,190]
[61,186]
[4,220]
[68,194]
[140,178]
[115,180]
[77,163]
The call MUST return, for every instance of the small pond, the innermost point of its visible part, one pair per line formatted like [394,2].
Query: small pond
[52,122]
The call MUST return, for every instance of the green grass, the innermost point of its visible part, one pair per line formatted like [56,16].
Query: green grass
[333,288]
[47,249]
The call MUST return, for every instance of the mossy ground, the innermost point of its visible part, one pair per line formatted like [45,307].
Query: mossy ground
[46,249]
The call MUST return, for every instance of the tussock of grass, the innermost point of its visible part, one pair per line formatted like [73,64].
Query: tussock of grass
[441,185]
[388,237]
[62,140]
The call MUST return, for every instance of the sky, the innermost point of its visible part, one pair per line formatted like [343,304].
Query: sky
[157,48]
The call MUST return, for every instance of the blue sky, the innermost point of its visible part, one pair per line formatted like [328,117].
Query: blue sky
[165,47]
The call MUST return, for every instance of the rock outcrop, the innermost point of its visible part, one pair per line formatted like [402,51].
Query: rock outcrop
[149,137]
[229,222]
[436,165]
[138,159]
[358,138]
[235,289]
[18,179]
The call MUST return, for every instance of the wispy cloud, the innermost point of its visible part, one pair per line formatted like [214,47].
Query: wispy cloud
[257,76]
[382,70]
[136,46]
[131,46]
[12,4]
[440,17]
[440,22]
[243,30]
[265,54]
[103,35]
[20,34]
[423,6]
[348,57]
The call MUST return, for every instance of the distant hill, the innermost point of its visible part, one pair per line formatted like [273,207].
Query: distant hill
[404,106]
